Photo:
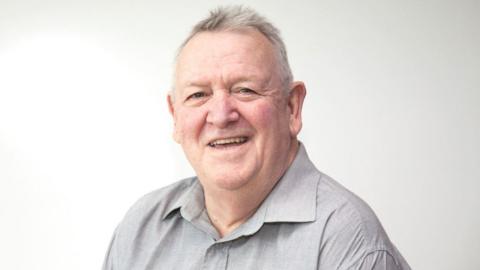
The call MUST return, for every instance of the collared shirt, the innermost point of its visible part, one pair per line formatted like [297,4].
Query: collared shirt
[308,221]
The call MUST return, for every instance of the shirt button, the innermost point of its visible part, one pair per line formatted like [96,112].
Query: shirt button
[216,257]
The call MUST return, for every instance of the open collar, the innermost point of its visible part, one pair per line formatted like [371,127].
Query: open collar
[293,199]
[190,201]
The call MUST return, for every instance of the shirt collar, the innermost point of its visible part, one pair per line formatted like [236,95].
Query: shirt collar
[190,200]
[293,199]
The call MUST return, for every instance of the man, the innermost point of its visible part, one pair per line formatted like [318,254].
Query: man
[257,201]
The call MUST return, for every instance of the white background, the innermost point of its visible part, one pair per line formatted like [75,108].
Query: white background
[392,112]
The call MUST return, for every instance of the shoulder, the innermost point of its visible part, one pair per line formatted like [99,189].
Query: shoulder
[142,221]
[346,209]
[352,231]
[154,206]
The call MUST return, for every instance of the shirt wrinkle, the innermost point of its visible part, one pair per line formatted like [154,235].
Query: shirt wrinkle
[298,226]
[359,264]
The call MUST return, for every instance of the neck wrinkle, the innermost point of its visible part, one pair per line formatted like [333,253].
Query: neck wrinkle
[228,209]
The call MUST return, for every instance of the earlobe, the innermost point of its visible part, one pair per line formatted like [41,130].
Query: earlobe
[295,104]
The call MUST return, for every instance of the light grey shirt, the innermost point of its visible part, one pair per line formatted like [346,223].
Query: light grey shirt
[308,221]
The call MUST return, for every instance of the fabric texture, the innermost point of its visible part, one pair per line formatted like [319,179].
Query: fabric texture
[308,221]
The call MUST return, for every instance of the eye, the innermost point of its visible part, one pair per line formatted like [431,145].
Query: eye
[246,91]
[197,95]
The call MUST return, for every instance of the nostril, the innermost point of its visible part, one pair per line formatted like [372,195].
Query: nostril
[223,117]
[222,111]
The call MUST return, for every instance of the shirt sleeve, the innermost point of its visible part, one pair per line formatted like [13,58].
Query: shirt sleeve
[378,260]
[354,239]
[110,256]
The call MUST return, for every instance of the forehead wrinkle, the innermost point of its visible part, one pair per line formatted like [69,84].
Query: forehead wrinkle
[196,83]
[262,78]
[262,82]
[260,65]
[240,77]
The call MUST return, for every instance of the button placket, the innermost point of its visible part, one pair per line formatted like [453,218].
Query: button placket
[216,256]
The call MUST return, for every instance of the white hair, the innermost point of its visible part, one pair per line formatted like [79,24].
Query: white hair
[232,18]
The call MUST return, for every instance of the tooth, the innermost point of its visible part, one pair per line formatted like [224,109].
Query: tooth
[228,141]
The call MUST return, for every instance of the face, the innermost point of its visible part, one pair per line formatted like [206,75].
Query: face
[233,119]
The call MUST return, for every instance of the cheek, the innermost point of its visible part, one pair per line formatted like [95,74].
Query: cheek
[268,117]
[263,116]
[189,124]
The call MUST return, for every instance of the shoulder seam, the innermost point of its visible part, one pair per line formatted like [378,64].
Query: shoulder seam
[372,251]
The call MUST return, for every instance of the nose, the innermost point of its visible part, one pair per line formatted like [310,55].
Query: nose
[222,110]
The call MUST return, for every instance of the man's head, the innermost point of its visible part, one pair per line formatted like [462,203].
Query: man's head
[236,110]
[238,18]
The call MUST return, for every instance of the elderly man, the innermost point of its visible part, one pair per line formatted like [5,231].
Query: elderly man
[257,201]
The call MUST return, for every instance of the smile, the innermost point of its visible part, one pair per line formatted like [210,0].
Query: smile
[228,142]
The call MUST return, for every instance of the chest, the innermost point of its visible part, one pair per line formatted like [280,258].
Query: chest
[274,246]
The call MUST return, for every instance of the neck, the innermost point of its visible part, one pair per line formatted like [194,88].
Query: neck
[228,209]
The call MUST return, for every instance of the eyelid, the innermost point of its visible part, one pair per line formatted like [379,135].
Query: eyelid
[245,90]
[191,97]
[197,95]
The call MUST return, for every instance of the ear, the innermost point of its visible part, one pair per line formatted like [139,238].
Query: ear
[295,104]
[171,109]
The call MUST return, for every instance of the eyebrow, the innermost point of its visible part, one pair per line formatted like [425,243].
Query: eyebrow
[243,78]
[196,84]
[232,80]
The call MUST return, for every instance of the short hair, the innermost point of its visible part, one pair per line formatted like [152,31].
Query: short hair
[230,18]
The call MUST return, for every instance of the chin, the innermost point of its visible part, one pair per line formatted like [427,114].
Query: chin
[227,181]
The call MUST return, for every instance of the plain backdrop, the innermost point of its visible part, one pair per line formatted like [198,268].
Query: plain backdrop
[392,112]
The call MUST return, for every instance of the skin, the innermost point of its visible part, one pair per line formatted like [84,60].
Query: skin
[228,85]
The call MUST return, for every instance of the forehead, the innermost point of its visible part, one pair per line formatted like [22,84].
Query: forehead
[245,52]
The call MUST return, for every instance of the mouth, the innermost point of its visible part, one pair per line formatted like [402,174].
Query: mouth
[228,142]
